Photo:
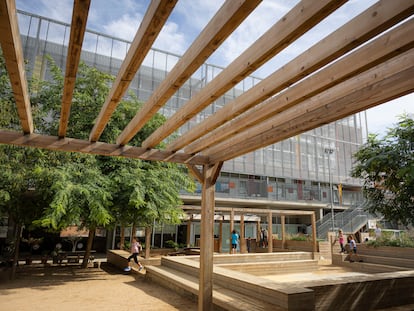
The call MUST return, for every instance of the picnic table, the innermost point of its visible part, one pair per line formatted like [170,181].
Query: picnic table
[74,257]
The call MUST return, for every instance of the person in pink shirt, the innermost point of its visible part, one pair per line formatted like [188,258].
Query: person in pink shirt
[135,249]
[341,240]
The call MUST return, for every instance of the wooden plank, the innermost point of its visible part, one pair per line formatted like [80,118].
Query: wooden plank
[230,15]
[382,83]
[13,55]
[77,32]
[154,19]
[379,50]
[98,148]
[300,19]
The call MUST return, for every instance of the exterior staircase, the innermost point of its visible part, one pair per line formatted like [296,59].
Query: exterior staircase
[350,221]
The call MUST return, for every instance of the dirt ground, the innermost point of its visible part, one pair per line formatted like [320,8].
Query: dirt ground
[71,288]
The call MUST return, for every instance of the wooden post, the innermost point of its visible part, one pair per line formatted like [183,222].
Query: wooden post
[188,238]
[205,293]
[221,235]
[269,233]
[314,242]
[282,221]
[242,239]
[231,227]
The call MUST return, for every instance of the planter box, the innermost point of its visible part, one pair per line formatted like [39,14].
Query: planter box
[386,251]
[305,246]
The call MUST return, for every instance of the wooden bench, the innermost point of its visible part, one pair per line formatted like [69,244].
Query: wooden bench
[74,257]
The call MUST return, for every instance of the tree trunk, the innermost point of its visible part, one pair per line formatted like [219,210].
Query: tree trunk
[17,234]
[134,231]
[147,242]
[122,238]
[91,236]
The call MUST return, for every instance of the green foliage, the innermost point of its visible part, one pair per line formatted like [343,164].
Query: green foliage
[72,188]
[387,168]
[404,240]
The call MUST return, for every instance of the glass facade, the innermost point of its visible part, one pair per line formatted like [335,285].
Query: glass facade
[296,169]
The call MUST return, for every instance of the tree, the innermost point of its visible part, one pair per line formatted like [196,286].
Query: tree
[387,168]
[88,190]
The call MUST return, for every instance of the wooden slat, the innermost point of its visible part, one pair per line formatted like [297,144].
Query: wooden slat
[382,83]
[230,15]
[379,50]
[98,148]
[300,19]
[154,19]
[77,32]
[357,31]
[13,54]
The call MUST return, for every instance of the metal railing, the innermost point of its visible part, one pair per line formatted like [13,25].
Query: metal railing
[350,221]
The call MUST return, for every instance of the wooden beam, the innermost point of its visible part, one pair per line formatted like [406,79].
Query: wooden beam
[77,32]
[382,83]
[260,211]
[354,33]
[99,148]
[379,50]
[196,172]
[230,15]
[13,55]
[300,19]
[154,19]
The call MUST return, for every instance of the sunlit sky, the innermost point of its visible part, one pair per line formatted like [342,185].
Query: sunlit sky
[121,18]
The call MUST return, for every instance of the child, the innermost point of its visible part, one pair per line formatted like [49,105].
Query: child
[234,241]
[135,249]
[353,249]
[341,240]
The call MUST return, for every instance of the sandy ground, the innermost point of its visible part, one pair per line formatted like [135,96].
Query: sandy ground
[71,288]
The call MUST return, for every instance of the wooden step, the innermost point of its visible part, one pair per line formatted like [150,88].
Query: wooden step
[223,298]
[281,267]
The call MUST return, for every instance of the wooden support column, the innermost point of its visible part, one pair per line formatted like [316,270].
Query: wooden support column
[205,293]
[188,238]
[283,221]
[231,226]
[269,233]
[242,239]
[314,238]
[221,235]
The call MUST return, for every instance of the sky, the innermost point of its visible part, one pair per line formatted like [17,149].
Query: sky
[121,18]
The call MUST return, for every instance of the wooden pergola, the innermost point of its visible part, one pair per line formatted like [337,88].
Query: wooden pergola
[364,63]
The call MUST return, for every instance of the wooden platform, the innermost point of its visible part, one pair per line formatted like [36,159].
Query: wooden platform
[240,284]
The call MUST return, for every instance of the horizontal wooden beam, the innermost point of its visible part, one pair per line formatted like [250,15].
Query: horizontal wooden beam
[387,46]
[382,83]
[154,19]
[11,46]
[300,19]
[252,210]
[77,32]
[226,20]
[354,33]
[83,146]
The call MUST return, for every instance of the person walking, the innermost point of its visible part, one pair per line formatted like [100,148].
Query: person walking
[234,241]
[135,249]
